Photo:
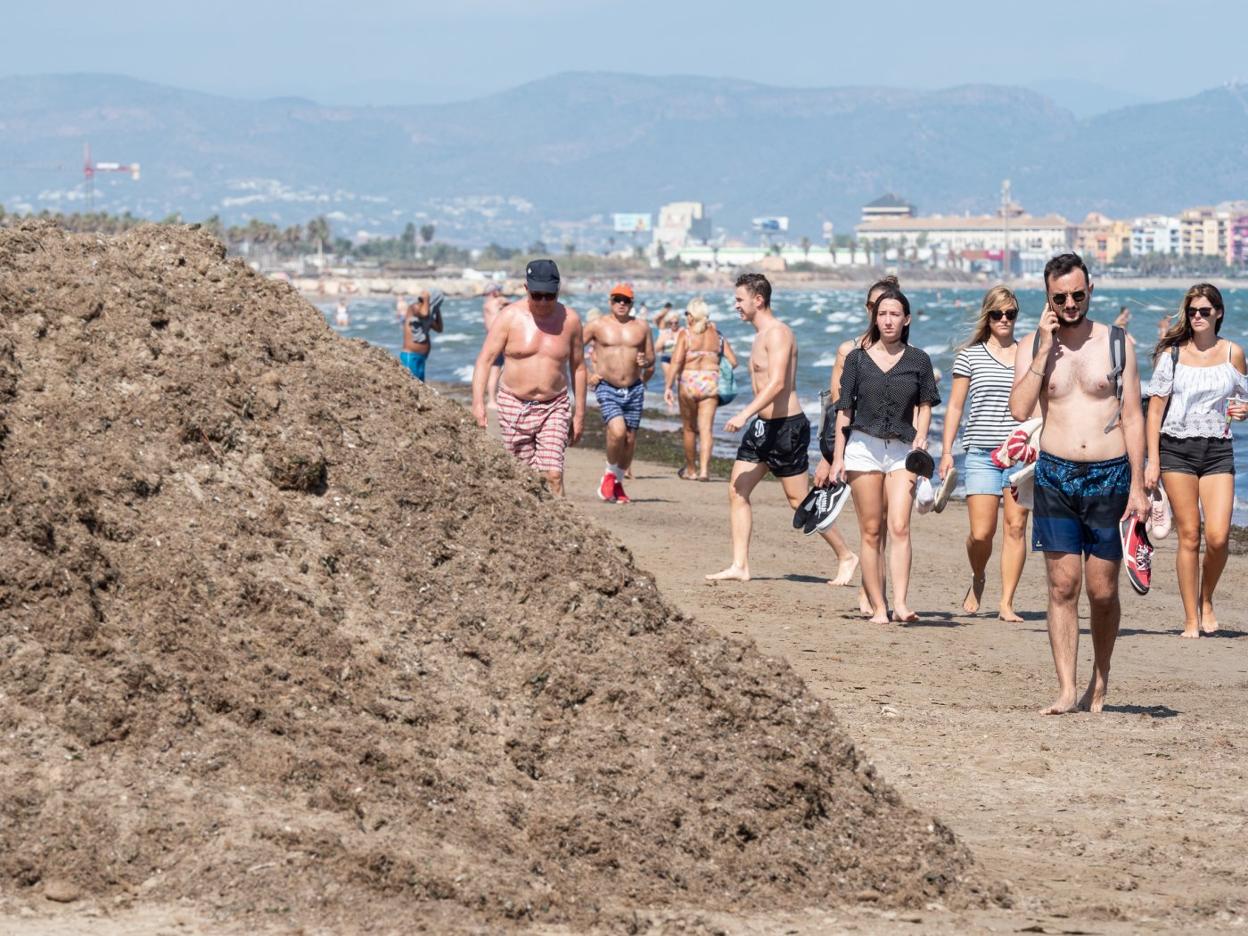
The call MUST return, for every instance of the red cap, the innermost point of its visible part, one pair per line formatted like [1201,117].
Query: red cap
[622,289]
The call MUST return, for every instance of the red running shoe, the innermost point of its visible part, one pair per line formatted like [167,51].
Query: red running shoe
[1137,553]
[607,489]
[618,490]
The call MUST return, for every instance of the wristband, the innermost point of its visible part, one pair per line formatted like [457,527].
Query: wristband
[1038,373]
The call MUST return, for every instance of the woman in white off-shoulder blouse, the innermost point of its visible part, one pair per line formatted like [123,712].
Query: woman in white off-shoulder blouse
[1198,387]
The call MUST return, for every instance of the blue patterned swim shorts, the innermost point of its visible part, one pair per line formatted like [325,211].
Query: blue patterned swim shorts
[1078,506]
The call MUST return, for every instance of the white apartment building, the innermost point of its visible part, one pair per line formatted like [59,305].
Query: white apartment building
[947,240]
[1155,234]
[681,224]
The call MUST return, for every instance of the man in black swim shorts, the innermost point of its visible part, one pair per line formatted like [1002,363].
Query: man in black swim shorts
[777,432]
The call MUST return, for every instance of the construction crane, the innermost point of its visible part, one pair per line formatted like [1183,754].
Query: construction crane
[89,169]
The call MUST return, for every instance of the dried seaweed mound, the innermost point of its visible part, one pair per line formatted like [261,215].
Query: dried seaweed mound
[281,631]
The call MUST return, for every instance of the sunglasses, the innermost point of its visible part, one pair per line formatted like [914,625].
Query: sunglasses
[544,297]
[1008,314]
[1059,299]
[623,299]
[1201,311]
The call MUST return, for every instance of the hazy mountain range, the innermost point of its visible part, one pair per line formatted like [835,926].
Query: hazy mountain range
[508,166]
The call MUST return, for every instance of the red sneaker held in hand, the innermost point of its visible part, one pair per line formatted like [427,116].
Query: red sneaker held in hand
[1137,554]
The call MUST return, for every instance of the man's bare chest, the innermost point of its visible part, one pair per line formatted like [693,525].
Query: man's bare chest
[1084,374]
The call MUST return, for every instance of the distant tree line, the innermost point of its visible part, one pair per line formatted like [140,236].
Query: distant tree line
[296,240]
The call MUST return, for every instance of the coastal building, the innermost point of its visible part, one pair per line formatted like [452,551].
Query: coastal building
[969,241]
[712,256]
[681,224]
[1239,239]
[1204,232]
[887,206]
[1155,234]
[1103,239]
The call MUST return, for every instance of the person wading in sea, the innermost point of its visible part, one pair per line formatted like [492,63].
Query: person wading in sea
[493,302]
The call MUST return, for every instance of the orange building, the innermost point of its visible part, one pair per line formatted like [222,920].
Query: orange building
[1103,239]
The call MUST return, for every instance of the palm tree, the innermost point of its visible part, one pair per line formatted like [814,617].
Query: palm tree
[806,248]
[318,231]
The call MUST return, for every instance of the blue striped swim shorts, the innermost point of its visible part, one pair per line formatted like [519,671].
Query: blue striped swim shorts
[621,401]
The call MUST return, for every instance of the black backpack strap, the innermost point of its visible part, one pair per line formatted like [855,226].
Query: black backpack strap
[1117,363]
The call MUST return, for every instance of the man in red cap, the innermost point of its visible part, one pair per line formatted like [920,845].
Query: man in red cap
[623,361]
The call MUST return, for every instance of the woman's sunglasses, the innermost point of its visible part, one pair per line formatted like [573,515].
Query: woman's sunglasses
[1201,311]
[1008,314]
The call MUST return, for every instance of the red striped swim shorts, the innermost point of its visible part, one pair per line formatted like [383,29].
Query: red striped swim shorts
[535,431]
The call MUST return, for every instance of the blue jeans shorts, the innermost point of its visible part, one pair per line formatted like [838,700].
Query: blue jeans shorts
[981,476]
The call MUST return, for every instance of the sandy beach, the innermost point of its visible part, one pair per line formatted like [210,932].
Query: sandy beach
[1129,821]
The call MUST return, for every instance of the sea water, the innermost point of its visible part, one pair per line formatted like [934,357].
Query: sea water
[821,320]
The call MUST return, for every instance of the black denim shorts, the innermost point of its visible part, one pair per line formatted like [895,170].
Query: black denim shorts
[1199,456]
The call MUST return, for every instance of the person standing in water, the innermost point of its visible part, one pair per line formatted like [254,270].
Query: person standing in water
[423,317]
[492,303]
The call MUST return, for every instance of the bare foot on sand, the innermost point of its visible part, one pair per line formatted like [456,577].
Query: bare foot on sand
[1208,620]
[1064,704]
[845,570]
[881,618]
[970,604]
[1094,697]
[903,615]
[1009,614]
[864,603]
[1191,630]
[731,574]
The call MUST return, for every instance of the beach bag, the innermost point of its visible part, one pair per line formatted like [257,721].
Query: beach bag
[727,378]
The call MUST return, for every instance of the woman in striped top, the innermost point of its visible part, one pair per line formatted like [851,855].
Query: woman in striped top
[1198,388]
[983,375]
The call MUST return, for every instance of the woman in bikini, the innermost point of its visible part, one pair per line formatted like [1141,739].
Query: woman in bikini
[695,365]
[1198,389]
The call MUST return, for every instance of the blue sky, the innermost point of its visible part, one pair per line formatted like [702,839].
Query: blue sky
[388,52]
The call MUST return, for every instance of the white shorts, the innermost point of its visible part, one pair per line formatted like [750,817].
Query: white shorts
[867,453]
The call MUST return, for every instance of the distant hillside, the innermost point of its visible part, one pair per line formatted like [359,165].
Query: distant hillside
[577,145]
